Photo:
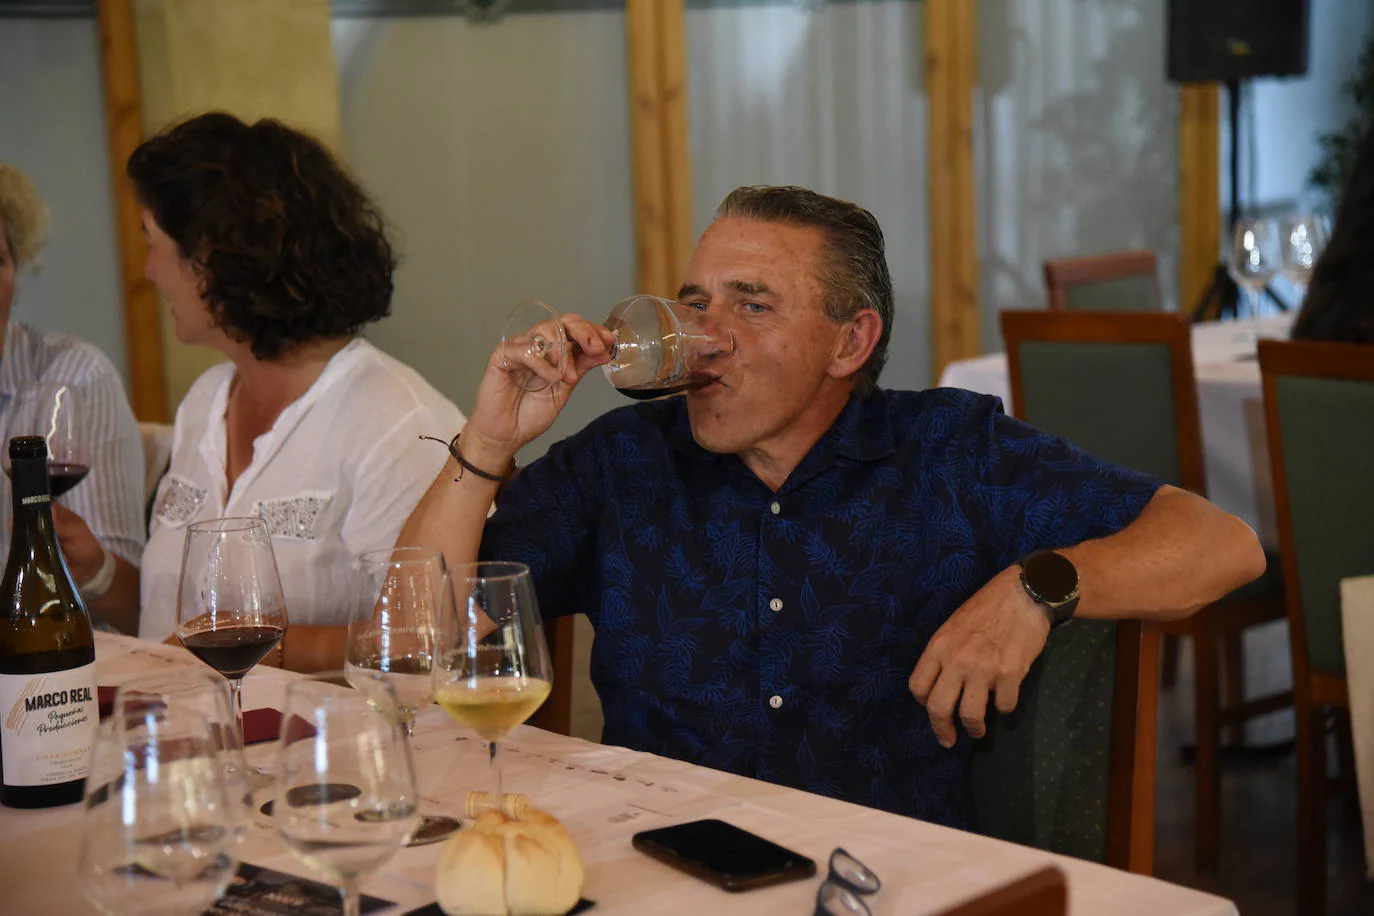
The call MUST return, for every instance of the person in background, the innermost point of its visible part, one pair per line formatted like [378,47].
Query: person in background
[1339,305]
[110,498]
[784,562]
[269,252]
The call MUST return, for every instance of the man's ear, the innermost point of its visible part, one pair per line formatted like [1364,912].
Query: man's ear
[856,344]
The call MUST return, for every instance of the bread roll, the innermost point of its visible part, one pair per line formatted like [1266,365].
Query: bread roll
[505,867]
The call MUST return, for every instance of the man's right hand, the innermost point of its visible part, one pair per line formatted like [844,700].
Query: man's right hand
[506,417]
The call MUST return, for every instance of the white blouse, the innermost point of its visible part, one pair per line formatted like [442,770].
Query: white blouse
[336,476]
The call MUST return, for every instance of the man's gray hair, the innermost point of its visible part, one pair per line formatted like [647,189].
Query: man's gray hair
[853,264]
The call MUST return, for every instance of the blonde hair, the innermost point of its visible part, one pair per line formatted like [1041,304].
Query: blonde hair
[24,215]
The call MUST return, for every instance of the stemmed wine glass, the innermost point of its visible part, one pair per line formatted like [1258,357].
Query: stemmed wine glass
[53,412]
[1254,260]
[161,820]
[399,596]
[662,347]
[493,670]
[346,797]
[1302,241]
[230,608]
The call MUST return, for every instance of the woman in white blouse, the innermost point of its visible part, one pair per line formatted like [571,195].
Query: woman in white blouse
[267,251]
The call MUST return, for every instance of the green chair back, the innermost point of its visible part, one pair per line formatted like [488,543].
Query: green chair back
[1040,775]
[1326,431]
[1121,294]
[1083,391]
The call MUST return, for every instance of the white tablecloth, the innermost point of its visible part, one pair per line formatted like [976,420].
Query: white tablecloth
[604,795]
[1357,632]
[1230,411]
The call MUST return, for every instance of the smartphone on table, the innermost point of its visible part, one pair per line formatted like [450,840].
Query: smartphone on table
[724,855]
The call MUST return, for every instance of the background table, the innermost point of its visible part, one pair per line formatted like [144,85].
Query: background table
[1230,412]
[604,795]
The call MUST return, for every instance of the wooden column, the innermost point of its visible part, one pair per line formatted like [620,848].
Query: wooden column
[1199,198]
[949,33]
[124,125]
[656,32]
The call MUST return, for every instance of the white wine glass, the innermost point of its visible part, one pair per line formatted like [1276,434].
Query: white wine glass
[161,824]
[230,608]
[346,797]
[493,670]
[399,595]
[662,347]
[1253,263]
[53,412]
[1301,242]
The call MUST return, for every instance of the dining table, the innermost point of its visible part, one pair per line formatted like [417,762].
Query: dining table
[604,795]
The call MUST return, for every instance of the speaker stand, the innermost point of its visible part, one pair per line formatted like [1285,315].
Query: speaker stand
[1222,297]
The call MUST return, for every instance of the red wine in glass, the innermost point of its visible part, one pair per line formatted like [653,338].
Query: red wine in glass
[62,475]
[649,392]
[65,475]
[234,650]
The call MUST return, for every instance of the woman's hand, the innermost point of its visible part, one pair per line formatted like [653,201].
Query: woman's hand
[505,416]
[84,554]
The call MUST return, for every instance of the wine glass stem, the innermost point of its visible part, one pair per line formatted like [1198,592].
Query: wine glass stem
[408,723]
[236,689]
[493,747]
[352,900]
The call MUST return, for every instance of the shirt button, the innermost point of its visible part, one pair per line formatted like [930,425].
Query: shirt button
[775,701]
[775,604]
[775,508]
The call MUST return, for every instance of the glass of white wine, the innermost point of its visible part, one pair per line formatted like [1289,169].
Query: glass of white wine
[493,670]
[661,346]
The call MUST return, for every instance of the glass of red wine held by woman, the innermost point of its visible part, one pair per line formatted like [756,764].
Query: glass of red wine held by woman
[230,607]
[53,412]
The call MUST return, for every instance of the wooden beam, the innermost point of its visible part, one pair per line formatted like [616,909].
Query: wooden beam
[949,36]
[124,126]
[656,33]
[1199,197]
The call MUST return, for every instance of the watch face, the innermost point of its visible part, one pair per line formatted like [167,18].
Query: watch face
[1051,577]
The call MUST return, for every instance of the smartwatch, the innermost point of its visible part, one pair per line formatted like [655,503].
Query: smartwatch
[1051,580]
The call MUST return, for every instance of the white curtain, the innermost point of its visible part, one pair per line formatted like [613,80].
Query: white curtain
[830,97]
[1076,137]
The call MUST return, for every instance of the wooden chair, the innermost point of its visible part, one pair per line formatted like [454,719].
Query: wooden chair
[1041,893]
[1072,769]
[1076,375]
[556,713]
[1125,281]
[1319,408]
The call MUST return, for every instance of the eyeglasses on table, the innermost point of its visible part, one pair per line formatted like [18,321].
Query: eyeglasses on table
[842,893]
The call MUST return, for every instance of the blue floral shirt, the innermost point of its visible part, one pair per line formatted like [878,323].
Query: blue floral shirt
[772,634]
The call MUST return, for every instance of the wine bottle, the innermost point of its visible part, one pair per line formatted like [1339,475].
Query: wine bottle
[48,708]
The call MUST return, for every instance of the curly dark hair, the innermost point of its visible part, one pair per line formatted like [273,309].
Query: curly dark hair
[287,246]
[1337,306]
[854,261]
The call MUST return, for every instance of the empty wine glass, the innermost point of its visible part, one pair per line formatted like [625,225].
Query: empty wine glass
[493,669]
[160,824]
[346,797]
[399,596]
[230,607]
[53,412]
[1254,260]
[662,347]
[1302,241]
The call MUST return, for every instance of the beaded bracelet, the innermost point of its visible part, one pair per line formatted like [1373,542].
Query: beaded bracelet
[463,463]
